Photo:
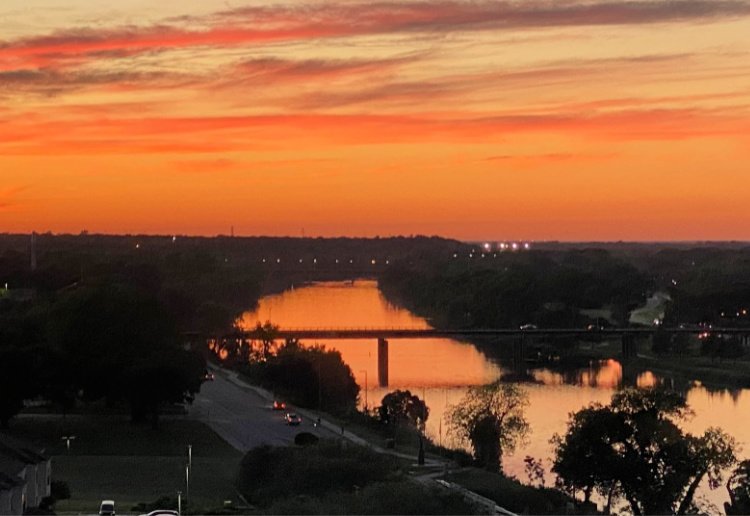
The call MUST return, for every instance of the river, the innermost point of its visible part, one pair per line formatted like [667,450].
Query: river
[441,370]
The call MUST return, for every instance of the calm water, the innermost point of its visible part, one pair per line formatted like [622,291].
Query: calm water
[440,370]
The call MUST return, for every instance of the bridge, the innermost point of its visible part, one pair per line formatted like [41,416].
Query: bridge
[432,333]
[519,337]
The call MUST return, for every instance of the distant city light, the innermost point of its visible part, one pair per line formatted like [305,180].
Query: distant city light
[527,246]
[455,255]
[514,246]
[487,246]
[278,260]
[137,246]
[174,239]
[373,261]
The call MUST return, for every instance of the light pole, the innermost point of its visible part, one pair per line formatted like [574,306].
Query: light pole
[67,439]
[190,455]
[366,389]
[187,484]
[179,503]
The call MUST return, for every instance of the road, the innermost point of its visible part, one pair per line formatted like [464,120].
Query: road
[243,417]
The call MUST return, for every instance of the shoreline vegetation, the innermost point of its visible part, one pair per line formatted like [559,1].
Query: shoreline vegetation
[87,286]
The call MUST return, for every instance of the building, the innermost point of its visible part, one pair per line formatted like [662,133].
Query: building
[25,476]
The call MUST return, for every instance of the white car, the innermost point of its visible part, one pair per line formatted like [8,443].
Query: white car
[107,508]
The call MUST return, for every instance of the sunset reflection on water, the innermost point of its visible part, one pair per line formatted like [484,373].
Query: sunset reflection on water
[441,370]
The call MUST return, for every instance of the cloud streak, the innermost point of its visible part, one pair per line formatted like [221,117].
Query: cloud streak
[285,23]
[278,132]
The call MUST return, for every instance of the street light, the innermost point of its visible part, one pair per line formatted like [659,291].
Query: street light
[67,439]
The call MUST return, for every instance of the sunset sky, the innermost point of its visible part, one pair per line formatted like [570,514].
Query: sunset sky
[504,119]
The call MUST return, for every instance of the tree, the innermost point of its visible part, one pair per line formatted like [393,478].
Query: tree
[16,374]
[738,487]
[633,448]
[403,407]
[491,418]
[307,376]
[266,334]
[120,343]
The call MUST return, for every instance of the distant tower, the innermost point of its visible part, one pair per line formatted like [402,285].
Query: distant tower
[33,251]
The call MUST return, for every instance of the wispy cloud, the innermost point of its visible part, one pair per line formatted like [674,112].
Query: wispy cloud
[261,25]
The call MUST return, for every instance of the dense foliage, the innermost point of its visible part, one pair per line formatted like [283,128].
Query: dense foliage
[312,377]
[491,419]
[516,289]
[403,408]
[331,478]
[633,449]
[110,341]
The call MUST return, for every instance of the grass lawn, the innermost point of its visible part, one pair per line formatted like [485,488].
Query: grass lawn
[111,458]
[511,494]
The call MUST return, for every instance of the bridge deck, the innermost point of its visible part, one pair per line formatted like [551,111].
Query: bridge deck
[430,333]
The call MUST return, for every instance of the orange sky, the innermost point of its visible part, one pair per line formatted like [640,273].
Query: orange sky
[534,119]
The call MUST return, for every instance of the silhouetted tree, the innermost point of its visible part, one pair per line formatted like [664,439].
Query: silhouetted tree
[491,418]
[403,407]
[120,344]
[633,448]
[738,487]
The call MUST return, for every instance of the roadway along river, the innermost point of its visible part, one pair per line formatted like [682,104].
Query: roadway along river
[440,370]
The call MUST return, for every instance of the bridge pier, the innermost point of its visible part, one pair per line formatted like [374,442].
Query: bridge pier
[519,352]
[383,362]
[629,346]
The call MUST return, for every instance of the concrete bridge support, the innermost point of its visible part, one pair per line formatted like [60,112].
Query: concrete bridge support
[382,362]
[629,347]
[519,353]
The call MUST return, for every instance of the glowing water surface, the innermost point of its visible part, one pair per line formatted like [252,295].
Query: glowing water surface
[440,370]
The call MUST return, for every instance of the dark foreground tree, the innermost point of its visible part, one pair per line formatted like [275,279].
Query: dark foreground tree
[738,487]
[403,408]
[633,449]
[120,343]
[313,377]
[491,418]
